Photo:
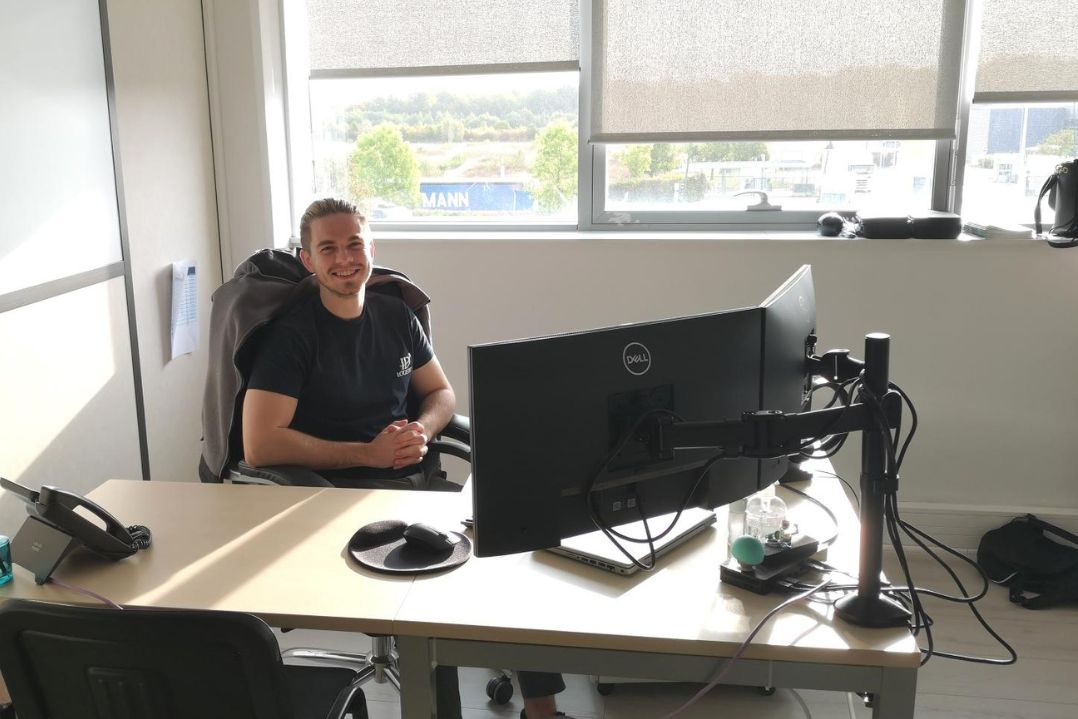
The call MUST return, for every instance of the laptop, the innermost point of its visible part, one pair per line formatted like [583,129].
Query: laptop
[596,549]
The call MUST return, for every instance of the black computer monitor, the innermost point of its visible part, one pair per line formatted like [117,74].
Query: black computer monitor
[789,334]
[548,412]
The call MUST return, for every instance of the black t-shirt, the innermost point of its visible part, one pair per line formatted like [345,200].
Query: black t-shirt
[350,377]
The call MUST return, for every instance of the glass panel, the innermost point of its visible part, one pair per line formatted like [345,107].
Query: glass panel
[475,148]
[1010,152]
[58,214]
[887,175]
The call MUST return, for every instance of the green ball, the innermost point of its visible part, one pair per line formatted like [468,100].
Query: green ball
[748,550]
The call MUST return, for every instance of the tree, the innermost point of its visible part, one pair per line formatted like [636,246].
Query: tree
[663,158]
[637,160]
[728,151]
[384,166]
[1060,144]
[555,165]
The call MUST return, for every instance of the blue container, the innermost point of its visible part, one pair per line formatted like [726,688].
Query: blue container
[5,560]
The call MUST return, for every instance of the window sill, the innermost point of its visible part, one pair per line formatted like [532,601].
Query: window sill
[493,235]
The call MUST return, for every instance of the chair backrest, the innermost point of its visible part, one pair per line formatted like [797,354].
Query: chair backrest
[263,287]
[67,662]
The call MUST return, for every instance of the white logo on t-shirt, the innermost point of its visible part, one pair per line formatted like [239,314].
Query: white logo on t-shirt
[406,365]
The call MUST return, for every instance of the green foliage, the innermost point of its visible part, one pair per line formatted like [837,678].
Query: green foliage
[383,165]
[663,158]
[637,160]
[555,165]
[427,117]
[727,151]
[1060,144]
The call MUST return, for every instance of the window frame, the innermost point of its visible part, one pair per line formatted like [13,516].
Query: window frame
[946,188]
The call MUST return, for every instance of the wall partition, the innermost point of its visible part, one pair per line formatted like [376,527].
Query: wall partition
[70,387]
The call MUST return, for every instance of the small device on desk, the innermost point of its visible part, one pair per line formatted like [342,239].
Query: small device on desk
[758,567]
[54,528]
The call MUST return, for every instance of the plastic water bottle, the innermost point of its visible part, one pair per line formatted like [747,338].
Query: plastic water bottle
[764,517]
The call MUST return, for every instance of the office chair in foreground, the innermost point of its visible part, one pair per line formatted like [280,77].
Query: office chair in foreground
[68,662]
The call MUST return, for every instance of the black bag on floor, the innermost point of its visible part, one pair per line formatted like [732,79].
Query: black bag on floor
[1018,555]
[1062,190]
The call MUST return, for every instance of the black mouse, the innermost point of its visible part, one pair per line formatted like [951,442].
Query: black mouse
[425,537]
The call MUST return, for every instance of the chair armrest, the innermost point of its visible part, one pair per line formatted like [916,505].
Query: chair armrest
[459,428]
[288,475]
[448,446]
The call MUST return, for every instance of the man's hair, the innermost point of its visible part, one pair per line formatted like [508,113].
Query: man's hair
[323,208]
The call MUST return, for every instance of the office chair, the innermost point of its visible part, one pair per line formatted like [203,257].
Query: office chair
[68,662]
[263,287]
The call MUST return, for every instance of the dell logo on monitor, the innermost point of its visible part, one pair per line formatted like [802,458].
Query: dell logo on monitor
[636,357]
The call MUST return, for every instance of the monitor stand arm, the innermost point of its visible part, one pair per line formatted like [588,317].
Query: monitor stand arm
[769,433]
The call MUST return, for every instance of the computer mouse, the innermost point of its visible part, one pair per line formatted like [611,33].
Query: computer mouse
[425,537]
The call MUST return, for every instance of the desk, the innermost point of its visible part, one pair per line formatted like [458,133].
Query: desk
[279,552]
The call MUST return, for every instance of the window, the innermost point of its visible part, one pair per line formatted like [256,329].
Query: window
[809,176]
[1024,116]
[490,113]
[450,149]
[1011,150]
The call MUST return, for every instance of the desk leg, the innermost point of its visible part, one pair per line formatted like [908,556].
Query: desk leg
[417,677]
[897,695]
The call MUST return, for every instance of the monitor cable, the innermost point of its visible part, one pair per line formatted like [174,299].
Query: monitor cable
[729,663]
[896,526]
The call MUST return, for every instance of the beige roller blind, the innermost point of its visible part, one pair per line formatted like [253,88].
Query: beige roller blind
[366,36]
[781,69]
[1029,51]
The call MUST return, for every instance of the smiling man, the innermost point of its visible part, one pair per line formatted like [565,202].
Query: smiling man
[329,384]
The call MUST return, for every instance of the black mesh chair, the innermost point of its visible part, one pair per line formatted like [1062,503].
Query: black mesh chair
[67,662]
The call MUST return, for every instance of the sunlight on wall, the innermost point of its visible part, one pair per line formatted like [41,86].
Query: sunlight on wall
[57,355]
[81,233]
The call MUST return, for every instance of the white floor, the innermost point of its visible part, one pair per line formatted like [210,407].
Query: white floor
[1042,685]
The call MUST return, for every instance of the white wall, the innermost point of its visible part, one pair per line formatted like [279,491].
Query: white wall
[983,334]
[167,166]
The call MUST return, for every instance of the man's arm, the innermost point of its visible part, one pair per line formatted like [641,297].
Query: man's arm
[437,400]
[268,440]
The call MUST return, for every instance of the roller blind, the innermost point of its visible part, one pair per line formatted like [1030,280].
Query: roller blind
[1029,51]
[784,69]
[372,35]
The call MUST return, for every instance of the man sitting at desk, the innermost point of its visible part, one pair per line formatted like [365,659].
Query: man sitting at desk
[329,383]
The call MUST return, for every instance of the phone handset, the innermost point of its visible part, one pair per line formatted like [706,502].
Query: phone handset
[56,508]
[115,541]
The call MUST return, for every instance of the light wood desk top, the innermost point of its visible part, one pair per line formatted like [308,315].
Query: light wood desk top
[680,608]
[280,553]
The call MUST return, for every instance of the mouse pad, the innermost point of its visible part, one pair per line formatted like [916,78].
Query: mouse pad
[381,546]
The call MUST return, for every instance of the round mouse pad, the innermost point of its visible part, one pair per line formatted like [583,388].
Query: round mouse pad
[381,547]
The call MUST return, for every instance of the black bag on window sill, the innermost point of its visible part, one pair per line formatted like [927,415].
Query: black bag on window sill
[1062,190]
[1021,557]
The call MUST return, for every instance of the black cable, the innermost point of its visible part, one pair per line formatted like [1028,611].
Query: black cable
[921,619]
[612,534]
[834,520]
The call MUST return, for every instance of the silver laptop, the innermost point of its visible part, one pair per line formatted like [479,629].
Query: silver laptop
[596,549]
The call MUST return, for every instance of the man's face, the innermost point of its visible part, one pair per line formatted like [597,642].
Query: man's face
[341,254]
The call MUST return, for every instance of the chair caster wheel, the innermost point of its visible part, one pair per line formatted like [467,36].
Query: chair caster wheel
[767,691]
[500,689]
[604,689]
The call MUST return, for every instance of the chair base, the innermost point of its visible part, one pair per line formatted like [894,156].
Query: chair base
[380,664]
